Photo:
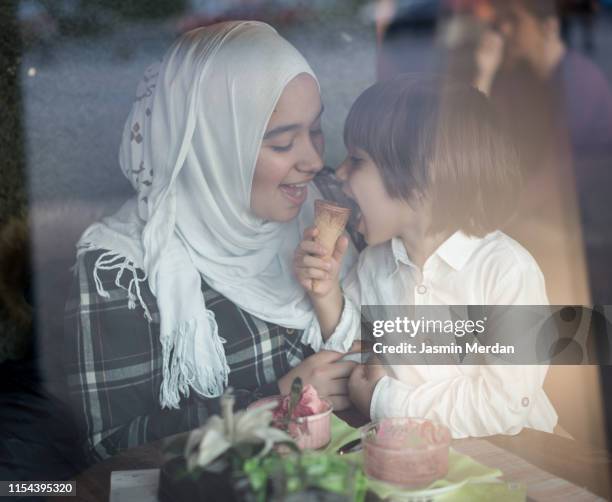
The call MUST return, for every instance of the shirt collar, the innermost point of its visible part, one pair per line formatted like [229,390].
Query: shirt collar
[457,249]
[399,254]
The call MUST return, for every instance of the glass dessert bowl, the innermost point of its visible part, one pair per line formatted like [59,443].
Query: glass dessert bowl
[310,420]
[408,452]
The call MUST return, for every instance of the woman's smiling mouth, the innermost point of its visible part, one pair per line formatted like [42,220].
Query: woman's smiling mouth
[295,192]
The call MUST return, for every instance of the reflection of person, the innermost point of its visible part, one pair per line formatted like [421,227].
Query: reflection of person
[558,106]
[434,179]
[189,288]
[532,36]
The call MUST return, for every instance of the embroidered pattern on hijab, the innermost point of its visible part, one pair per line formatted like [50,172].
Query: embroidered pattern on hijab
[189,148]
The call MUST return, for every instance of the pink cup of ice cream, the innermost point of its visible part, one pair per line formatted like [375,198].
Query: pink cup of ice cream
[310,422]
[408,452]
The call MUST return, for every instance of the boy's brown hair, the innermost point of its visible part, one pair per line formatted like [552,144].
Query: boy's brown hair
[441,141]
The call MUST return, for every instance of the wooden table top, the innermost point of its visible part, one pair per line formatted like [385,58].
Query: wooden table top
[581,464]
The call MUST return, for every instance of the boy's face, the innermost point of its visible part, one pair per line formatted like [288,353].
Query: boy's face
[382,217]
[524,34]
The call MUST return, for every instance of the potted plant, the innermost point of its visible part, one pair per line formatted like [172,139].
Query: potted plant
[247,456]
[213,456]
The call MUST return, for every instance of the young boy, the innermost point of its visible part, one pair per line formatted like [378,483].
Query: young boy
[434,178]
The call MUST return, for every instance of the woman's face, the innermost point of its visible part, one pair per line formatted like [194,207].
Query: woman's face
[291,152]
[381,217]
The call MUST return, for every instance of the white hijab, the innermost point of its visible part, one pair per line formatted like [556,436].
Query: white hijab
[189,148]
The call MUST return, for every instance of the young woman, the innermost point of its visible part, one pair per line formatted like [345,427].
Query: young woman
[189,287]
[434,178]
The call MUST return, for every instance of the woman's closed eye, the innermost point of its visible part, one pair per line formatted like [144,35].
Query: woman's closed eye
[282,148]
[285,148]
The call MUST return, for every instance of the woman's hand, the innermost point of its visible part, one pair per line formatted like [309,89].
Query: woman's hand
[326,373]
[362,383]
[489,55]
[316,271]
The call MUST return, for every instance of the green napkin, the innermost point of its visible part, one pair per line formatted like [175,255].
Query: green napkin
[484,492]
[472,480]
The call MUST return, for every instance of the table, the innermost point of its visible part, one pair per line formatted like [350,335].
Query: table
[583,465]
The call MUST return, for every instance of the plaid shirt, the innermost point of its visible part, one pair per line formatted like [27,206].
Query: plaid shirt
[114,357]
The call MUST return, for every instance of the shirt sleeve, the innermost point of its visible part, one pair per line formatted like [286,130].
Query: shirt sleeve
[113,365]
[349,327]
[343,336]
[496,399]
[346,331]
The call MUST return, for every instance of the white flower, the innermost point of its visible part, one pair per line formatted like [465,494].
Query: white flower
[219,434]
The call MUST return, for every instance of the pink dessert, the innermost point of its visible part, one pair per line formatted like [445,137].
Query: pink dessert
[310,421]
[309,404]
[409,452]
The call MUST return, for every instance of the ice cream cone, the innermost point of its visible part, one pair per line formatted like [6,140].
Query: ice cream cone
[331,221]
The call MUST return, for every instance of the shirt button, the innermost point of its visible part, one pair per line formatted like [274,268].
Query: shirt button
[290,331]
[525,402]
[421,289]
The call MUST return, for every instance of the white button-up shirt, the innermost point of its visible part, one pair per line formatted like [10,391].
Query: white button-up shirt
[470,400]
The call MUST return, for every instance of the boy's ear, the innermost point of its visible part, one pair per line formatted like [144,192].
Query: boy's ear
[412,199]
[419,199]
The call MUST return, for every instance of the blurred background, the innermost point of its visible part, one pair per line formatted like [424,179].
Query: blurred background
[69,75]
[84,58]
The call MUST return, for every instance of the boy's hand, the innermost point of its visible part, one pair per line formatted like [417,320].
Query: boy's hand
[489,57]
[361,385]
[317,272]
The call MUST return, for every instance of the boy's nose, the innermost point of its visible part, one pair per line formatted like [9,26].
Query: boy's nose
[342,172]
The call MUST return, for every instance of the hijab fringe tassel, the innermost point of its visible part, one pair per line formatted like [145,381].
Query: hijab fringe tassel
[113,261]
[179,375]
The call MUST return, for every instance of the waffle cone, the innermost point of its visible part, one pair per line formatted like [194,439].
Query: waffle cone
[331,221]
